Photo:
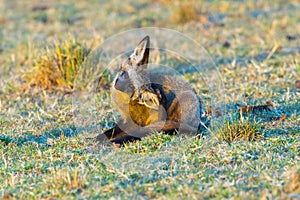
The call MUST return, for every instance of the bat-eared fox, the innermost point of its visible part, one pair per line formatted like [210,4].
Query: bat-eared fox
[151,100]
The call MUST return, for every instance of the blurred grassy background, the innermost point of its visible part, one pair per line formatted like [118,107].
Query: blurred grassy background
[232,31]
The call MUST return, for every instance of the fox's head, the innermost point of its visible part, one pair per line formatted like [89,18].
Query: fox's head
[132,77]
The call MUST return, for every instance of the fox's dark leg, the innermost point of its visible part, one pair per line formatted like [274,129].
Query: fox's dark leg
[125,139]
[110,134]
[116,135]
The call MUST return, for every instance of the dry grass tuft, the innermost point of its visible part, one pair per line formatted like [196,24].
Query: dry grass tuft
[292,184]
[57,68]
[239,130]
[186,11]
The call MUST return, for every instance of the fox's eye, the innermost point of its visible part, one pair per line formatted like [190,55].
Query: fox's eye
[124,75]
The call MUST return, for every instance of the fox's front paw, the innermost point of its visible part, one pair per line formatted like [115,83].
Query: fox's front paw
[149,99]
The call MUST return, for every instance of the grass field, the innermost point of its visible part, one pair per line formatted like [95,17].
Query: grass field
[46,150]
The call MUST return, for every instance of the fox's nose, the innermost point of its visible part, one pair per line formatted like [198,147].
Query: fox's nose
[121,84]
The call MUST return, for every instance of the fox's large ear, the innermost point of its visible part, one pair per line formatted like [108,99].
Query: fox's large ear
[141,52]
